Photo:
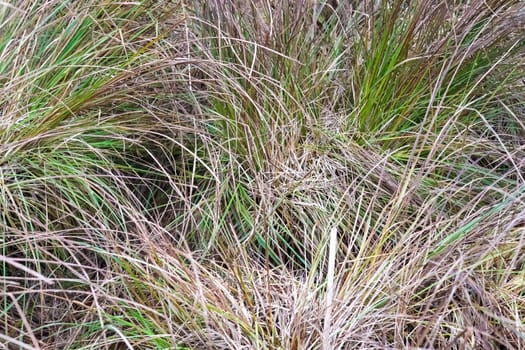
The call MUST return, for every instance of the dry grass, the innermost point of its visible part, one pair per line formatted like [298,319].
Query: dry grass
[262,175]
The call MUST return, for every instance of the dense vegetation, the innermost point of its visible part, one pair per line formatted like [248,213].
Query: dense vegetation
[242,174]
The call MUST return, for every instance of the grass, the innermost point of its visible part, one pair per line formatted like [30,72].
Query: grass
[262,175]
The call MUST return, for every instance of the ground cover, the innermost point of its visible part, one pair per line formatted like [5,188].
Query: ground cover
[262,175]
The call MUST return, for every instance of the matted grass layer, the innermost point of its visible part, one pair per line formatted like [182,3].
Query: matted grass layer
[262,174]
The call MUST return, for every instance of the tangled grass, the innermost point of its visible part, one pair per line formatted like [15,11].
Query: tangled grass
[262,174]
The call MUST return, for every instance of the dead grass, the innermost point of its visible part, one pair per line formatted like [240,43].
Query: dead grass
[262,175]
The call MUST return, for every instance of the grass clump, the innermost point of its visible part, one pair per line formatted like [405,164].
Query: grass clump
[262,175]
